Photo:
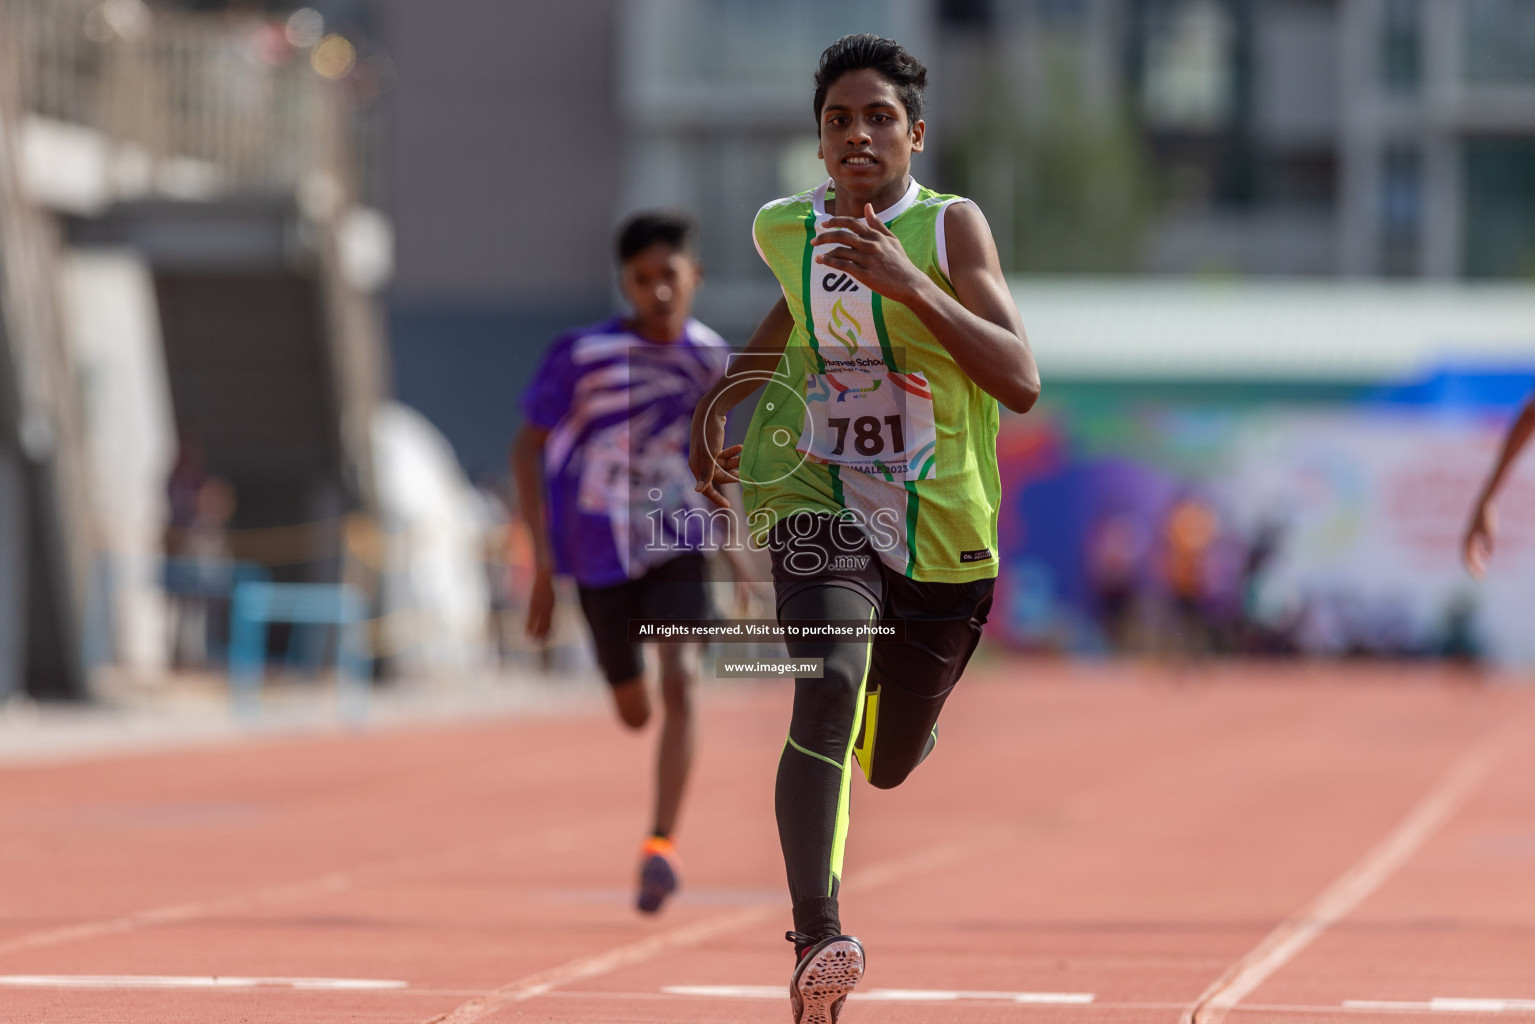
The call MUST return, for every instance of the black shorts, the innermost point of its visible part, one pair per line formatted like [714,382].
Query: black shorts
[675,589]
[942,621]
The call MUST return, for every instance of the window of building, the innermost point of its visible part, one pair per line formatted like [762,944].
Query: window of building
[1402,45]
[747,43]
[1401,209]
[1300,178]
[1188,73]
[1499,40]
[1499,198]
[966,14]
[1062,12]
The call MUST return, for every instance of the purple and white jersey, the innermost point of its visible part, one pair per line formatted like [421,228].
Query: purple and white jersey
[618,409]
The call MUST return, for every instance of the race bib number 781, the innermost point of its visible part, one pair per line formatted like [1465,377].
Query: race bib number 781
[877,422]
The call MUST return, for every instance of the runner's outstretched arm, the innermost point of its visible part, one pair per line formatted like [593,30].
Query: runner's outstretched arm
[527,470]
[982,331]
[1476,548]
[712,463]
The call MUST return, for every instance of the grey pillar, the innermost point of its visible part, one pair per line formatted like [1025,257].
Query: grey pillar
[13,571]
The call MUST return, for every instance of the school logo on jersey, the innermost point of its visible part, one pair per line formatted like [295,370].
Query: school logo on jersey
[834,282]
[844,327]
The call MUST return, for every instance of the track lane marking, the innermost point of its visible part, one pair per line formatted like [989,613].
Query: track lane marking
[543,982]
[1331,1011]
[541,843]
[590,966]
[889,995]
[1445,1004]
[211,981]
[1351,888]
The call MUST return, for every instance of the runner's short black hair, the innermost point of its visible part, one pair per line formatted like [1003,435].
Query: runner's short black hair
[649,227]
[888,57]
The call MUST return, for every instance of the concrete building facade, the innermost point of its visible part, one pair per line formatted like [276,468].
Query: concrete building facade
[1208,137]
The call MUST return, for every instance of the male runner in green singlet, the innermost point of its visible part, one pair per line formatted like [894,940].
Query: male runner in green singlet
[870,466]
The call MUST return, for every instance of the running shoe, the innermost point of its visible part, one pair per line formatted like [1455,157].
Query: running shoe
[660,874]
[827,971]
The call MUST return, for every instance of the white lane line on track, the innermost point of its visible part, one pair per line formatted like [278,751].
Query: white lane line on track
[1329,1012]
[171,981]
[592,965]
[600,963]
[889,995]
[1446,1004]
[540,843]
[1282,945]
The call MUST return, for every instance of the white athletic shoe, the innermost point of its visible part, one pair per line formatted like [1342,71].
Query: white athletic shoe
[825,974]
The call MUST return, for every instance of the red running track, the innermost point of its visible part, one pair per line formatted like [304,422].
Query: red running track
[1088,844]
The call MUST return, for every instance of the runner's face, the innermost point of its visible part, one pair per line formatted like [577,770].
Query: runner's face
[865,139]
[660,282]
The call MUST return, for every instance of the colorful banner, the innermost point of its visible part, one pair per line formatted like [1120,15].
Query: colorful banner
[1261,530]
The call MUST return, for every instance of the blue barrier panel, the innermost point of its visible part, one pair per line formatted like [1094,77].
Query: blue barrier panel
[259,603]
[207,580]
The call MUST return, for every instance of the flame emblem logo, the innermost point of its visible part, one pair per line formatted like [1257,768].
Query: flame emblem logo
[844,327]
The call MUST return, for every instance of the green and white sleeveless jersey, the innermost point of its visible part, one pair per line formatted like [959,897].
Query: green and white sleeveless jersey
[867,414]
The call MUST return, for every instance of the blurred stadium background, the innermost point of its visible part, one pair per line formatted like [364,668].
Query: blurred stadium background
[272,279]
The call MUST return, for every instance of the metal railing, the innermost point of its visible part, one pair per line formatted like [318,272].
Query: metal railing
[191,102]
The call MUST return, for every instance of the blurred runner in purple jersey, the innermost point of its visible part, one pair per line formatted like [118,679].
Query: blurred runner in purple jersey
[603,481]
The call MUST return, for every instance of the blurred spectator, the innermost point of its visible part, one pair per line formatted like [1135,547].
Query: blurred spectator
[1253,634]
[199,572]
[186,480]
[1460,644]
[1188,538]
[1116,548]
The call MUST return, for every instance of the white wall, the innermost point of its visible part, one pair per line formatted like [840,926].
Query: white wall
[119,359]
